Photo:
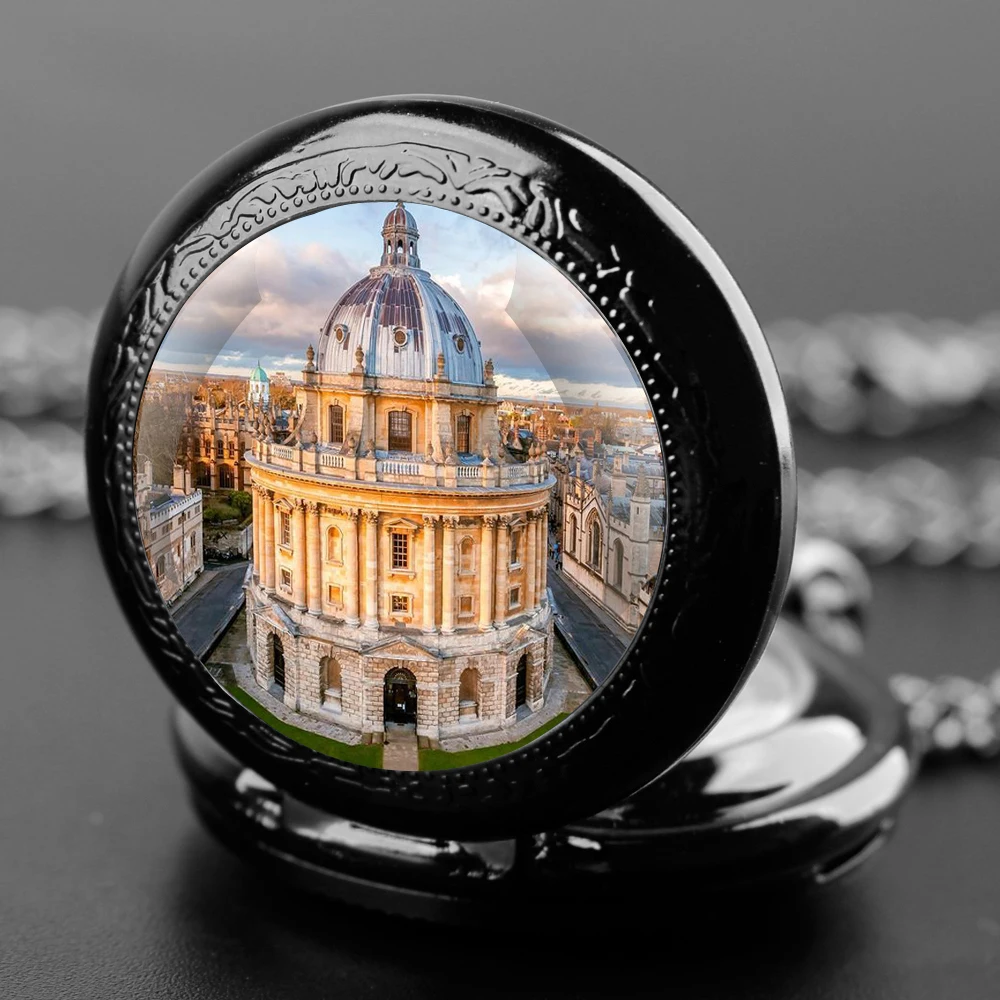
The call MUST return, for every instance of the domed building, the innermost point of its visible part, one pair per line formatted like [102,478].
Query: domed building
[259,387]
[399,557]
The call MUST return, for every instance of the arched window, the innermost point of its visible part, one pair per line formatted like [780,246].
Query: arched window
[400,431]
[617,564]
[330,673]
[336,422]
[161,567]
[594,543]
[521,682]
[463,433]
[277,660]
[330,684]
[334,545]
[466,552]
[468,695]
[571,534]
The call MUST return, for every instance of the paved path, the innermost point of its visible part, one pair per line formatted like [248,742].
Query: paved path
[594,642]
[400,750]
[205,611]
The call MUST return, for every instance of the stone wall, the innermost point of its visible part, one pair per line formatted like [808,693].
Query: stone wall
[224,543]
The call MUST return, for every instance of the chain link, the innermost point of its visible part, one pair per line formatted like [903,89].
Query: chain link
[951,715]
[887,375]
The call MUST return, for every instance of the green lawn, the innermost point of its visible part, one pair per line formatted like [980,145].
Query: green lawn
[367,756]
[437,760]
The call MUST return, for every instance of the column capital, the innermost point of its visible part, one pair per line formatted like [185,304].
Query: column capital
[371,516]
[490,520]
[314,506]
[430,520]
[350,513]
[505,520]
[450,521]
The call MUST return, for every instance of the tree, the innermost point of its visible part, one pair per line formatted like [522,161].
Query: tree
[159,431]
[242,501]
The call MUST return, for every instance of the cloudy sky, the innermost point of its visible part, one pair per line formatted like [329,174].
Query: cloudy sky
[270,299]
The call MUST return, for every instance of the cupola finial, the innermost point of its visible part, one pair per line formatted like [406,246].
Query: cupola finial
[399,238]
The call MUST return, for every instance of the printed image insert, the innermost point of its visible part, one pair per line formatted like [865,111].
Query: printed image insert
[400,486]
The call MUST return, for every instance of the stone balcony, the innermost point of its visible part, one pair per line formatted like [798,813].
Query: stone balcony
[400,470]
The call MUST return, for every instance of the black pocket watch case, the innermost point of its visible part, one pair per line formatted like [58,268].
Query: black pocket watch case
[415,514]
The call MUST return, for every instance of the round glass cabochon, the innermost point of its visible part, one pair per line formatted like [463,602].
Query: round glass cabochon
[400,486]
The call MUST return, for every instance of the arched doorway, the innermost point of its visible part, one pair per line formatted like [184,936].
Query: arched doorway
[521,688]
[400,702]
[278,661]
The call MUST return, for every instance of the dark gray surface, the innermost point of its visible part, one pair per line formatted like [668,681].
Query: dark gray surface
[109,888]
[839,156]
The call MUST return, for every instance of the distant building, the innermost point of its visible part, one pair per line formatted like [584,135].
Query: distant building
[215,441]
[170,524]
[259,387]
[613,528]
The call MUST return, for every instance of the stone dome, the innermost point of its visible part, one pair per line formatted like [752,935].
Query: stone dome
[400,317]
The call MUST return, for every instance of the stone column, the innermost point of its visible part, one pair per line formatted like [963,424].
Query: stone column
[531,563]
[256,531]
[448,575]
[299,555]
[213,476]
[486,572]
[371,568]
[351,602]
[314,561]
[268,515]
[430,589]
[543,551]
[502,598]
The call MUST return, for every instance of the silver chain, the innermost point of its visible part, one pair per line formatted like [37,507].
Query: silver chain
[951,715]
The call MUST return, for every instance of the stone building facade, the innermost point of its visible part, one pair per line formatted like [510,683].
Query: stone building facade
[399,560]
[613,529]
[213,445]
[170,525]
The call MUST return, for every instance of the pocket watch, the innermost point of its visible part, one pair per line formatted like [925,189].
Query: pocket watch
[443,473]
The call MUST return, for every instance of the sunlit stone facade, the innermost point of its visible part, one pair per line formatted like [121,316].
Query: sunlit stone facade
[399,558]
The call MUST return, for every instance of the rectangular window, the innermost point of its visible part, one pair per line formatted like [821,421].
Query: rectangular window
[336,424]
[515,548]
[400,550]
[286,530]
[465,607]
[192,539]
[286,580]
[400,604]
[400,431]
[232,450]
[177,550]
[515,597]
[218,449]
[335,594]
[463,433]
